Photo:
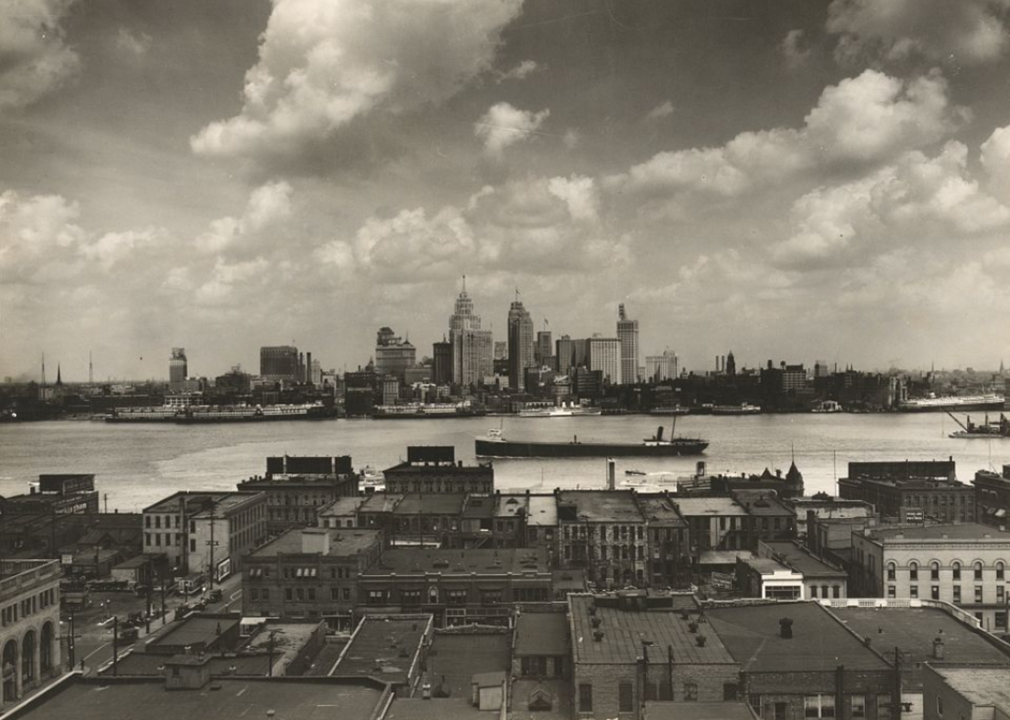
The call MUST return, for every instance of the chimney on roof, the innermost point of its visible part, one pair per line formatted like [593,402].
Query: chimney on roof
[786,628]
[316,540]
[611,474]
[597,636]
[938,648]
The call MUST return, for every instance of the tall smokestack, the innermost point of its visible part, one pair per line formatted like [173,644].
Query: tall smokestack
[308,367]
[611,474]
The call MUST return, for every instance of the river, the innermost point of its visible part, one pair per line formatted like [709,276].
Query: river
[136,465]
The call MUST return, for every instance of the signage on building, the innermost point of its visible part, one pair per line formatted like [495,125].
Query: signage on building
[913,515]
[722,581]
[67,559]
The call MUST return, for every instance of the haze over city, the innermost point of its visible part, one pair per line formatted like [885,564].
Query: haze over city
[792,180]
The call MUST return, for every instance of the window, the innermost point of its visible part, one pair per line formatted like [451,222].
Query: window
[999,620]
[892,591]
[288,594]
[978,593]
[883,707]
[690,691]
[625,702]
[858,706]
[957,594]
[892,571]
[934,570]
[376,597]
[913,591]
[934,592]
[957,569]
[939,706]
[913,571]
[813,591]
[334,594]
[836,591]
[410,597]
[456,597]
[819,706]
[999,570]
[585,696]
[729,692]
[1000,594]
[978,570]
[755,704]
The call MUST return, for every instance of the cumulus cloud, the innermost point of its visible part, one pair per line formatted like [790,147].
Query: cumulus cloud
[324,63]
[860,122]
[134,45]
[115,247]
[34,59]
[795,49]
[503,125]
[963,32]
[916,200]
[36,230]
[996,160]
[267,205]
[664,109]
[520,72]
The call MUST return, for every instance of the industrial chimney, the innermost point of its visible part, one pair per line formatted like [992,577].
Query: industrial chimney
[611,474]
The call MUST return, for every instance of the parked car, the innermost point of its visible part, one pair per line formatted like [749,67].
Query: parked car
[129,634]
[215,595]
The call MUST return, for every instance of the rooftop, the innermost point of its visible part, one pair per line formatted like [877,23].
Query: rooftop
[140,664]
[450,708]
[625,632]
[342,506]
[525,690]
[197,629]
[543,511]
[430,504]
[661,509]
[656,710]
[226,503]
[343,542]
[701,506]
[801,561]
[415,561]
[380,502]
[455,658]
[479,506]
[173,503]
[762,504]
[542,634]
[914,630]
[384,647]
[511,505]
[107,699]
[752,635]
[606,506]
[955,531]
[981,686]
[765,565]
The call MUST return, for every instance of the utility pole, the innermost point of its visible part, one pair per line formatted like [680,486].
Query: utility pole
[70,640]
[896,706]
[115,645]
[212,543]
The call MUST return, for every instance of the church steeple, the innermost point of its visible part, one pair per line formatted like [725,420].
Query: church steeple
[59,378]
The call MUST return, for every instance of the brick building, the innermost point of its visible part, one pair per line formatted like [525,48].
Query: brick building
[298,486]
[669,547]
[59,494]
[458,587]
[29,626]
[167,527]
[633,646]
[603,533]
[960,564]
[992,497]
[912,491]
[225,530]
[433,469]
[309,573]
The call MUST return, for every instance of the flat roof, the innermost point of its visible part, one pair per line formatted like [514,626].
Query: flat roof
[142,664]
[407,561]
[456,657]
[228,502]
[624,631]
[107,698]
[197,629]
[661,509]
[343,542]
[802,561]
[951,531]
[408,468]
[765,565]
[542,634]
[914,630]
[342,506]
[751,633]
[430,504]
[543,511]
[450,708]
[700,506]
[763,504]
[609,506]
[479,506]
[384,647]
[658,710]
[381,502]
[173,503]
[981,686]
[511,505]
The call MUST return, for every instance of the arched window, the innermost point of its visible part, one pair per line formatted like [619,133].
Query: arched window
[28,659]
[10,667]
[892,571]
[913,570]
[1000,574]
[956,567]
[934,570]
[978,569]
[46,649]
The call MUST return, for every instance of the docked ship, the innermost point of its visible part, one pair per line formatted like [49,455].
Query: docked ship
[669,410]
[195,414]
[744,409]
[987,430]
[986,401]
[533,410]
[828,406]
[426,411]
[495,445]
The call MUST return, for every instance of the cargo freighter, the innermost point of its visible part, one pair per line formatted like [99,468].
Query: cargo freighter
[495,445]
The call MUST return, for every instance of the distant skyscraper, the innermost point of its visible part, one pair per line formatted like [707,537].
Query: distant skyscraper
[501,350]
[545,349]
[521,343]
[627,333]
[730,364]
[661,367]
[441,362]
[472,348]
[565,348]
[178,369]
[605,356]
[392,355]
[279,363]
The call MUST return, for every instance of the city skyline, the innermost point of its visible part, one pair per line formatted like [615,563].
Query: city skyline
[796,180]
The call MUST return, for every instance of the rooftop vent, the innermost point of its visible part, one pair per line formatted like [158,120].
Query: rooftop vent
[598,636]
[786,628]
[595,622]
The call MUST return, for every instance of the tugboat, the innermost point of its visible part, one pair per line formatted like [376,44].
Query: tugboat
[495,445]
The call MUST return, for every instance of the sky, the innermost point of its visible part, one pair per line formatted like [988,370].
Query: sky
[795,180]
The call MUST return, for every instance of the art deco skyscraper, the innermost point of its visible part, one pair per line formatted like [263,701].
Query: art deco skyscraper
[627,333]
[521,344]
[472,348]
[178,369]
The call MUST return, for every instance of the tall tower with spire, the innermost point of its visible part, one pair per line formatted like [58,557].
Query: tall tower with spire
[472,348]
[627,333]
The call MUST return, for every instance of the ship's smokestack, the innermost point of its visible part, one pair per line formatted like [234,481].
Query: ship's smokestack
[659,433]
[611,474]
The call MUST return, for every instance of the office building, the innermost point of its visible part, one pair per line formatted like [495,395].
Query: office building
[602,532]
[472,347]
[911,491]
[627,333]
[564,355]
[224,531]
[178,370]
[544,355]
[605,356]
[30,631]
[55,494]
[433,469]
[279,364]
[521,344]
[661,367]
[992,497]
[393,355]
[441,362]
